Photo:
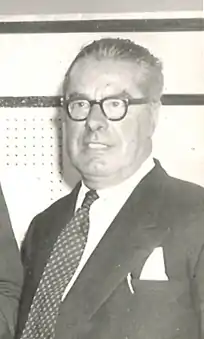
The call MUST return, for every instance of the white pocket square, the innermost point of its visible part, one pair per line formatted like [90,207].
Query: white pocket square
[154,267]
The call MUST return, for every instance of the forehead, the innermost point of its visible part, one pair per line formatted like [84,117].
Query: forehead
[91,76]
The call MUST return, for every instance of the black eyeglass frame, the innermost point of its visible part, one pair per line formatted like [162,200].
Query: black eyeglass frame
[127,101]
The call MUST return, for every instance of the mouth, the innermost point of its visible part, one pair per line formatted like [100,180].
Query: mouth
[98,145]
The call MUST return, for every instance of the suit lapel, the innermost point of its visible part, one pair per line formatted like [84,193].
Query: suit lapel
[132,236]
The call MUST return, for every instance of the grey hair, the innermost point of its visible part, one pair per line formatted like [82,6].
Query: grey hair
[127,50]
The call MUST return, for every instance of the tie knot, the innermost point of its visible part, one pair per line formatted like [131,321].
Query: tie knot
[90,197]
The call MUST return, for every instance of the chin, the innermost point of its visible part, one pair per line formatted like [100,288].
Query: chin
[96,168]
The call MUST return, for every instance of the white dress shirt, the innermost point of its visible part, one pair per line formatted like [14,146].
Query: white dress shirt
[104,210]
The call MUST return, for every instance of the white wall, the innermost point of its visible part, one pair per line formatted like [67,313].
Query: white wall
[31,138]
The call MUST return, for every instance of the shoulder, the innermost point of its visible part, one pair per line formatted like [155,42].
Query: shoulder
[185,214]
[52,218]
[176,192]
[63,204]
[182,208]
[54,210]
[184,194]
[179,204]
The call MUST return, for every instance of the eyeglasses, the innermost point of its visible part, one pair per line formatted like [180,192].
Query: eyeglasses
[113,108]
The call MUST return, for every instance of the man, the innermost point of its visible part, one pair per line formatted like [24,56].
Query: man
[11,274]
[112,95]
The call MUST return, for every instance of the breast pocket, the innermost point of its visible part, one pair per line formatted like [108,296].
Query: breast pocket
[163,307]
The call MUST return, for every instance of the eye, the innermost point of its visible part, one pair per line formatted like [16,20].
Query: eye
[79,104]
[114,103]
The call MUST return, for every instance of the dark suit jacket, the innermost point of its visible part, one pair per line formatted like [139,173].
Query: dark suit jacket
[161,211]
[11,274]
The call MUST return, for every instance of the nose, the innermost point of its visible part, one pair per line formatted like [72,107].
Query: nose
[96,119]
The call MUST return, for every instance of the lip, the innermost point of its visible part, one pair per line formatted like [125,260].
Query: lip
[96,145]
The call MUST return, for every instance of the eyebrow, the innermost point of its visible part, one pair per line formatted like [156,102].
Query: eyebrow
[123,94]
[77,95]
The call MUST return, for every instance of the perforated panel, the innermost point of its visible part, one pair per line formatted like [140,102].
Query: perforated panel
[31,150]
[32,138]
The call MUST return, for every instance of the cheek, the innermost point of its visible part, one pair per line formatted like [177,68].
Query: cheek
[73,136]
[129,135]
[140,129]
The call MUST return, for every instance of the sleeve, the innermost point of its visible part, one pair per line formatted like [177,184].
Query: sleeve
[11,274]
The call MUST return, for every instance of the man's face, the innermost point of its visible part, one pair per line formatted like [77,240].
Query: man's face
[107,152]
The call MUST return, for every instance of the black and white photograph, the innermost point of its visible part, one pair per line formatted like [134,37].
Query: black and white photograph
[102,173]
